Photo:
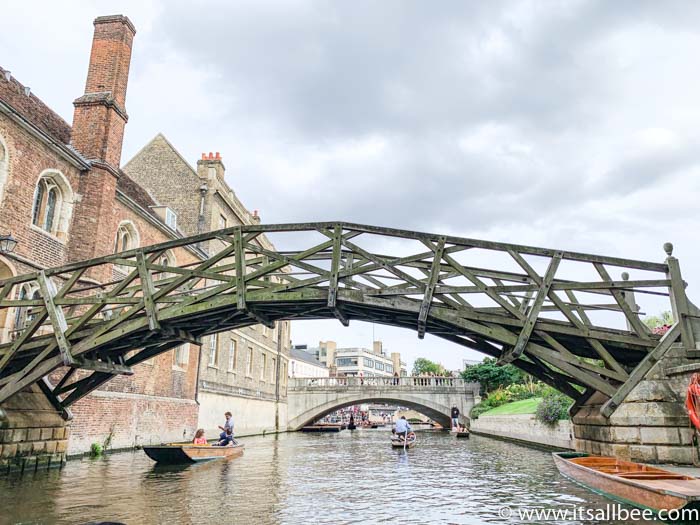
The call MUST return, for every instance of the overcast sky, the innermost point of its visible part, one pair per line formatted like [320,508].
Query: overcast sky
[567,124]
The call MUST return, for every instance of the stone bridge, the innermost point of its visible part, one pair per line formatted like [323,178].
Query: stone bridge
[312,398]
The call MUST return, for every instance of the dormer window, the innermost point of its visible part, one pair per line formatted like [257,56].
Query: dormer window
[171,219]
[168,216]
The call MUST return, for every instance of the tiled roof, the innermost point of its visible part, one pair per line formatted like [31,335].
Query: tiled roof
[32,109]
[300,355]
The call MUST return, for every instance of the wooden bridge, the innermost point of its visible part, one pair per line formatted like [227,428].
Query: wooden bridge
[564,317]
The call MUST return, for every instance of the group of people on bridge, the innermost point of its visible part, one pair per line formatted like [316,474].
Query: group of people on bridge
[225,438]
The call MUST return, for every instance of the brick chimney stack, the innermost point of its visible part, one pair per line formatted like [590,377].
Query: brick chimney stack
[210,166]
[98,131]
[100,114]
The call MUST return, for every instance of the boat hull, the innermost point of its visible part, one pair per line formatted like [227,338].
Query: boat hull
[667,492]
[463,435]
[397,443]
[178,454]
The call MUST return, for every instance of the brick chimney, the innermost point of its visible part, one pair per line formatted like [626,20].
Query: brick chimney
[210,166]
[100,114]
[98,131]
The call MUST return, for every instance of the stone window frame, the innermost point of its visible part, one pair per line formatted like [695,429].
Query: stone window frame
[213,351]
[126,232]
[181,356]
[127,236]
[166,259]
[249,363]
[232,355]
[4,166]
[263,367]
[22,315]
[52,182]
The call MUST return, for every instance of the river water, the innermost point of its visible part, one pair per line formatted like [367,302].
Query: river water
[348,477]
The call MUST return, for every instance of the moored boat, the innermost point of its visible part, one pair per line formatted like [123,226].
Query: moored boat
[461,434]
[179,453]
[397,442]
[632,483]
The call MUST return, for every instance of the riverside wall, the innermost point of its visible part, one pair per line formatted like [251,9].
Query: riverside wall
[525,428]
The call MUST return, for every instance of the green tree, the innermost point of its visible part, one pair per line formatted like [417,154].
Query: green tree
[491,376]
[426,366]
[656,321]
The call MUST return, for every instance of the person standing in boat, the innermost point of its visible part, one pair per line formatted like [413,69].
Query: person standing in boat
[402,428]
[228,425]
[455,417]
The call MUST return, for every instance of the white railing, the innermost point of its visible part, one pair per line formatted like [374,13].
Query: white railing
[409,383]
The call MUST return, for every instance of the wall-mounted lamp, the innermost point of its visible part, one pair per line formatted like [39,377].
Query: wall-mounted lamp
[7,243]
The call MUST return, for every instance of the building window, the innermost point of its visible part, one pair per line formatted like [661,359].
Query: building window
[249,364]
[263,367]
[273,369]
[167,259]
[53,204]
[222,222]
[182,355]
[127,237]
[171,219]
[378,365]
[23,314]
[232,355]
[213,350]
[346,361]
[284,373]
[4,166]
[390,369]
[368,362]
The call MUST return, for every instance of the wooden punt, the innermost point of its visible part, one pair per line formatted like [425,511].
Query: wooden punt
[179,453]
[632,483]
[323,427]
[464,434]
[398,443]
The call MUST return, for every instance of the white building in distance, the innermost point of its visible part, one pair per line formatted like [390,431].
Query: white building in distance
[304,364]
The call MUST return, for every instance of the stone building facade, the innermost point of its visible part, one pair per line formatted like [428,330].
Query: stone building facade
[242,371]
[64,198]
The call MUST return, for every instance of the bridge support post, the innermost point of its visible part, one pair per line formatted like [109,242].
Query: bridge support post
[650,425]
[33,434]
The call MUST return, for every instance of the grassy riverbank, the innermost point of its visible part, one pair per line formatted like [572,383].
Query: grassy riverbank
[525,406]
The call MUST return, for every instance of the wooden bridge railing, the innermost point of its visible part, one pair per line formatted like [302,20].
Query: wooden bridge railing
[562,316]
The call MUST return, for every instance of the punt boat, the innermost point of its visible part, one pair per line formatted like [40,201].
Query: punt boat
[461,434]
[179,453]
[633,483]
[396,442]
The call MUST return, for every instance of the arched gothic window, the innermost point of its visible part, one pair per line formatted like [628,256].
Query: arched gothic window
[127,237]
[167,259]
[53,204]
[23,314]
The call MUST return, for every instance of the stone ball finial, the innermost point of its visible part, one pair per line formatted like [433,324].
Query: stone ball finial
[668,248]
[625,276]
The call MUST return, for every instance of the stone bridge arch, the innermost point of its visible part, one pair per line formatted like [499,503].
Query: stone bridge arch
[311,399]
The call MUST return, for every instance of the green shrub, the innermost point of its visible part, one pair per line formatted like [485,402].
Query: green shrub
[95,450]
[553,408]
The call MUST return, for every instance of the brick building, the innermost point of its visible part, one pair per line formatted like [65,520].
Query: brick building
[64,197]
[245,370]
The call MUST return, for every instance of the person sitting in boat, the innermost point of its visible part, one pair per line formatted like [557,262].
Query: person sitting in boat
[402,428]
[228,425]
[226,440]
[199,438]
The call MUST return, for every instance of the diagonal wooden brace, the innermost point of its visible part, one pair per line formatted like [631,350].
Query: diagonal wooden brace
[531,319]
[58,320]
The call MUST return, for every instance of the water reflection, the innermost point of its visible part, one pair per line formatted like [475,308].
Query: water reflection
[350,477]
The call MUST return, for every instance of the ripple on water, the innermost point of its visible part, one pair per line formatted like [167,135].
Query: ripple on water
[349,477]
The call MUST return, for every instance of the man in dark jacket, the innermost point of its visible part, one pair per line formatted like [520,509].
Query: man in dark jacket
[455,417]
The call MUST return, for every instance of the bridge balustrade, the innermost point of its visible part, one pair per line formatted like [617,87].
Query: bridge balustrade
[407,382]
